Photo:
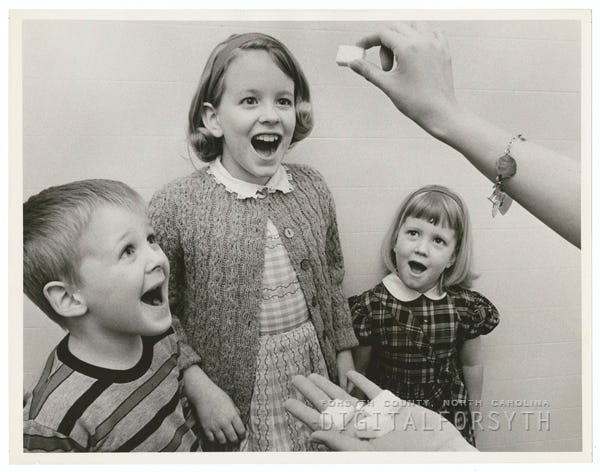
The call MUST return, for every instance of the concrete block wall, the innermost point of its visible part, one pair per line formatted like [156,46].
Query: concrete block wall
[110,99]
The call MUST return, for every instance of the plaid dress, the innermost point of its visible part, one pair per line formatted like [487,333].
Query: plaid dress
[416,346]
[288,346]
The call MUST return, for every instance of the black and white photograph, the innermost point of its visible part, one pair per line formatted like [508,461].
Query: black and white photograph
[301,232]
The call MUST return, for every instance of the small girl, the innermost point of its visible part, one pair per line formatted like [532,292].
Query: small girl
[418,329]
[256,263]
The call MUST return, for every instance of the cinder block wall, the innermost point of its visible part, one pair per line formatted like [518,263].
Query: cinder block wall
[110,99]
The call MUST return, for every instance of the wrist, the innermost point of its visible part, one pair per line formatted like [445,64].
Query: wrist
[449,122]
[196,382]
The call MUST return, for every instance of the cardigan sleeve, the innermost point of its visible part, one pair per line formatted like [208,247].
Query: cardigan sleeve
[344,337]
[163,214]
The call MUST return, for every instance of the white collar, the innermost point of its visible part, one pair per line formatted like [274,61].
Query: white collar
[279,181]
[405,294]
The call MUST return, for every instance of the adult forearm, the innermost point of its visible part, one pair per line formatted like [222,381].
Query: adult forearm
[546,183]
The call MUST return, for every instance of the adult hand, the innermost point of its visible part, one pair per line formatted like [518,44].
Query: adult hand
[416,428]
[416,74]
[419,82]
[217,414]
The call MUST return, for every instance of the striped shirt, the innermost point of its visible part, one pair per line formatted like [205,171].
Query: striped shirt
[79,407]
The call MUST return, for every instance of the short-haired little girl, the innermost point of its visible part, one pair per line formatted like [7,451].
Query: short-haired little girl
[419,328]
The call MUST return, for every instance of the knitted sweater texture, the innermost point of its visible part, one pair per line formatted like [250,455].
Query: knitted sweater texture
[215,245]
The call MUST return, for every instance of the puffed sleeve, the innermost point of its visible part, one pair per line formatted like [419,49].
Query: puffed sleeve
[163,214]
[478,316]
[362,318]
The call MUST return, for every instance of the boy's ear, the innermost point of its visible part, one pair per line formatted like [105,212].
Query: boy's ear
[64,300]
[210,118]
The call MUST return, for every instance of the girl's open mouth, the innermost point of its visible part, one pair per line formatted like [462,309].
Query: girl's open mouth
[417,267]
[266,145]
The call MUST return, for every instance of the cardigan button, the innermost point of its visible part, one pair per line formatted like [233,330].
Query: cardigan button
[314,301]
[305,264]
[289,233]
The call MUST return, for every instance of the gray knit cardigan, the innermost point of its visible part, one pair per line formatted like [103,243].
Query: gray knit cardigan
[215,245]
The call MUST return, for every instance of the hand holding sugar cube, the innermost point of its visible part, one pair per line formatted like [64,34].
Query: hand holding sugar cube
[343,423]
[373,420]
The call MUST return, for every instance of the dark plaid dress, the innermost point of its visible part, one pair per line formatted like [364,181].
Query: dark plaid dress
[416,346]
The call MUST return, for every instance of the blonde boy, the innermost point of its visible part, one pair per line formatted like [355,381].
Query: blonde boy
[91,263]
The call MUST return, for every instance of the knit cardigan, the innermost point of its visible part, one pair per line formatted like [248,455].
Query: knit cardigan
[215,245]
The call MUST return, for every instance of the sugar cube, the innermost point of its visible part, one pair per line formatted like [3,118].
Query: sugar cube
[377,417]
[385,403]
[347,54]
[337,414]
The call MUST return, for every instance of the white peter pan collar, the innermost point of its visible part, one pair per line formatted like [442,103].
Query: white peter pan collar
[405,294]
[279,181]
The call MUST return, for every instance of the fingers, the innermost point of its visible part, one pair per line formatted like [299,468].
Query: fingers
[386,37]
[220,437]
[332,390]
[238,425]
[369,388]
[309,416]
[311,392]
[370,72]
[230,433]
[395,36]
[337,441]
[209,435]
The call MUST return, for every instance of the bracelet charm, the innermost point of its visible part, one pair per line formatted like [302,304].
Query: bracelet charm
[506,167]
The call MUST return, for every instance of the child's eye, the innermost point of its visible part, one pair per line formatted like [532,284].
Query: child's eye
[286,102]
[129,250]
[412,232]
[439,241]
[249,101]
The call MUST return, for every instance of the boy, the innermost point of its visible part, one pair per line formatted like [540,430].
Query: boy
[91,263]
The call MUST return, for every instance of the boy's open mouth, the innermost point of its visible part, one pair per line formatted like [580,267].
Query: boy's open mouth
[265,145]
[153,296]
[417,267]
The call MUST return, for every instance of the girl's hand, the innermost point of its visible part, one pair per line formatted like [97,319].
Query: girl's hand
[418,436]
[345,363]
[217,414]
[421,84]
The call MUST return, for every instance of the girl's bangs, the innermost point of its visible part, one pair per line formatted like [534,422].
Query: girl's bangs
[436,208]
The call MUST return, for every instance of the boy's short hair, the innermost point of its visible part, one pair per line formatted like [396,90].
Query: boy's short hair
[53,222]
